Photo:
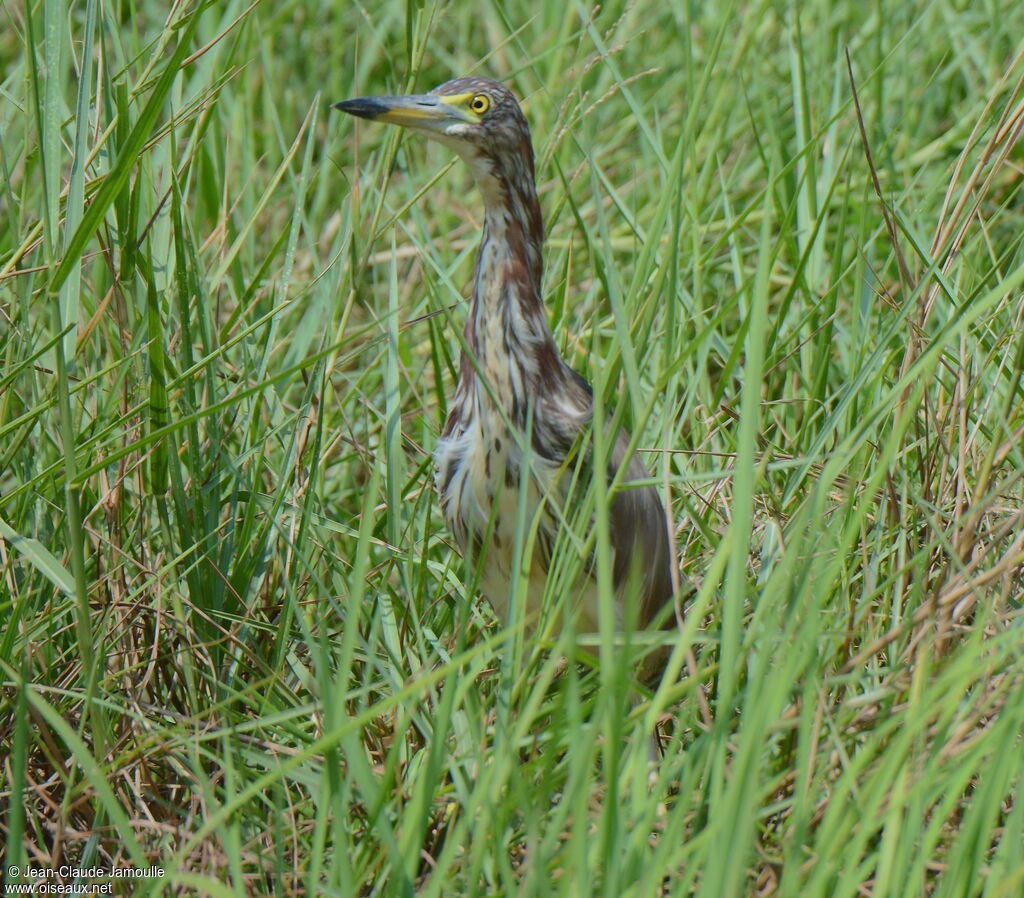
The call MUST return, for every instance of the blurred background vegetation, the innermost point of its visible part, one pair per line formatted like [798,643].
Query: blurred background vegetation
[238,643]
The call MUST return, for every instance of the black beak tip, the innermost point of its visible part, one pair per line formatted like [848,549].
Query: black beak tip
[362,108]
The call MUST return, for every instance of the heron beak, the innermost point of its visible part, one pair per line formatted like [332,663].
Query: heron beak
[424,112]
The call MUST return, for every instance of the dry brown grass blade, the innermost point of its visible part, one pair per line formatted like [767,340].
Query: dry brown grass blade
[890,225]
[951,233]
[948,220]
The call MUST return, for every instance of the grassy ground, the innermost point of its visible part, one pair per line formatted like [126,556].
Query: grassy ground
[238,643]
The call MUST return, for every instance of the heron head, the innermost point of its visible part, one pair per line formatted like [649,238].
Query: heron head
[476,117]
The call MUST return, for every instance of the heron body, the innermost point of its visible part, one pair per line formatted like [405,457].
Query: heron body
[520,413]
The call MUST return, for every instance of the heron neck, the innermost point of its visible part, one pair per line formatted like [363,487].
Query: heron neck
[507,323]
[513,227]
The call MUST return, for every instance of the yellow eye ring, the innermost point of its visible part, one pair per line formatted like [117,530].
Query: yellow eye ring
[480,104]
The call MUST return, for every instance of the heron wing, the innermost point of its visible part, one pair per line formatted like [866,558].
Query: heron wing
[638,525]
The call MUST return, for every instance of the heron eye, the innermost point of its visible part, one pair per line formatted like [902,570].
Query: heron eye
[480,103]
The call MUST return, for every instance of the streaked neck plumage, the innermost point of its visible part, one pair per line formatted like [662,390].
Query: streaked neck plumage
[507,326]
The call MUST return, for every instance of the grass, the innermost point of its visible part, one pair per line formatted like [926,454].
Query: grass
[239,644]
